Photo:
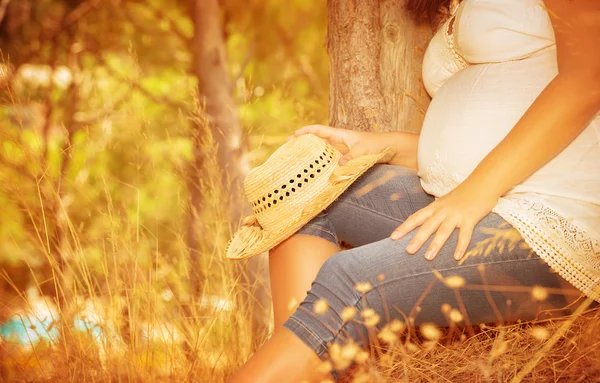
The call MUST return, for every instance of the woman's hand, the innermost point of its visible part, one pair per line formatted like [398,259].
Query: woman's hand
[350,143]
[462,208]
[353,143]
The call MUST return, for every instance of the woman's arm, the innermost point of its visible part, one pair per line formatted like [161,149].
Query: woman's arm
[353,143]
[553,121]
[405,145]
[561,111]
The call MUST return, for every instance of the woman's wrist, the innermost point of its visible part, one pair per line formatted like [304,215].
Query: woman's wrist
[404,144]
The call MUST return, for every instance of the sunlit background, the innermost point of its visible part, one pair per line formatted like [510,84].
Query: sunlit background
[126,128]
[106,258]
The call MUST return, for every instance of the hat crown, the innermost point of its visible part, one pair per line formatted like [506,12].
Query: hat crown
[294,174]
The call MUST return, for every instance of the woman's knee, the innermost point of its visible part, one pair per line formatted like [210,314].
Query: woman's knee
[335,282]
[346,298]
[382,198]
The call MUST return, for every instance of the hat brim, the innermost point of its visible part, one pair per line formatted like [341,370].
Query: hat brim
[251,240]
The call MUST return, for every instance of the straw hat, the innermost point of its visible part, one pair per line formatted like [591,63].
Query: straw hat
[298,181]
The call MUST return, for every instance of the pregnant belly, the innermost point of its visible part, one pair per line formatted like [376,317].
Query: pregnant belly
[472,112]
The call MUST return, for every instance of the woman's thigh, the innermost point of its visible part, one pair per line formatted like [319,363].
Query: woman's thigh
[372,207]
[500,279]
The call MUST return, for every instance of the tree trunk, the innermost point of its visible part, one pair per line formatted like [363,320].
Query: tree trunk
[375,54]
[217,106]
[215,123]
[217,114]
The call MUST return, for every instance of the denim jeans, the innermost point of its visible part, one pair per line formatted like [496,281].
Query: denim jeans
[500,278]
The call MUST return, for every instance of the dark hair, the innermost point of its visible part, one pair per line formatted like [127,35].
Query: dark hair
[427,10]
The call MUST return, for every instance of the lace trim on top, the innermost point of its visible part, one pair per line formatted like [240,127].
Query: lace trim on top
[566,248]
[442,59]
[456,61]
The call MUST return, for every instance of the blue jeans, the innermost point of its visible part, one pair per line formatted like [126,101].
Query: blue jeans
[499,270]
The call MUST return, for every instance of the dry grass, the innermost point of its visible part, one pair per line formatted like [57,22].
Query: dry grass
[117,304]
[494,354]
[118,317]
[138,329]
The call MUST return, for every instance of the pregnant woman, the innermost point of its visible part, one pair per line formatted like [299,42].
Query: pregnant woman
[501,188]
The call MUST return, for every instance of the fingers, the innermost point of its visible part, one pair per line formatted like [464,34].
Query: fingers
[355,151]
[428,228]
[345,158]
[437,223]
[417,219]
[322,131]
[464,239]
[443,233]
[338,138]
[308,129]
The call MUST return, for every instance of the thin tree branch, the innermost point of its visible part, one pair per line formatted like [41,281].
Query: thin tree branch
[3,6]
[159,15]
[245,64]
[136,85]
[287,44]
[79,12]
[130,15]
[107,111]
[73,17]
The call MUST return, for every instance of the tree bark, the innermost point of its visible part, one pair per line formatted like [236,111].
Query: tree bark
[375,53]
[217,105]
[217,117]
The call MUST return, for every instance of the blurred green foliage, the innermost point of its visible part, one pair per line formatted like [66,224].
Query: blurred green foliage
[96,99]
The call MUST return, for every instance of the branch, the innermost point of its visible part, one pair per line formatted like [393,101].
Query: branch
[107,111]
[310,77]
[74,16]
[3,6]
[137,86]
[158,13]
[130,16]
[243,67]
[78,13]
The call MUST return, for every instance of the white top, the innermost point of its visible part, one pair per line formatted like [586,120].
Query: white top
[483,77]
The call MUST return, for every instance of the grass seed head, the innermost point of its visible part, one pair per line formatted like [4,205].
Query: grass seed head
[540,333]
[361,357]
[348,313]
[366,313]
[539,293]
[293,304]
[335,352]
[350,350]
[455,281]
[397,325]
[411,347]
[342,356]
[455,316]
[386,335]
[395,197]
[370,316]
[430,331]
[429,345]
[361,377]
[321,306]
[325,367]
[363,287]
